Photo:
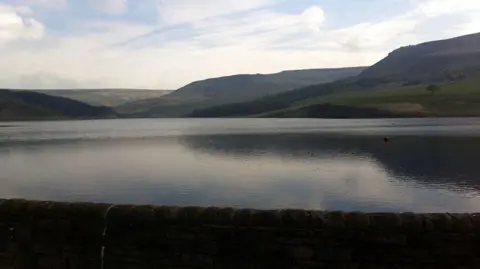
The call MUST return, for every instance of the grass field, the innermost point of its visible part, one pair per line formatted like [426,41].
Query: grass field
[452,99]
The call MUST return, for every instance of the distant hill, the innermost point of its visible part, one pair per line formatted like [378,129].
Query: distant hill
[232,89]
[29,105]
[442,60]
[249,87]
[454,64]
[106,97]
[452,99]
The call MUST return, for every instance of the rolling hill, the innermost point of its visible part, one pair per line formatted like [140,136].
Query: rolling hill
[106,97]
[231,89]
[404,74]
[28,105]
[249,87]
[442,60]
[459,99]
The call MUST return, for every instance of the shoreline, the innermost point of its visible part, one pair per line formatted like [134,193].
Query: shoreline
[273,118]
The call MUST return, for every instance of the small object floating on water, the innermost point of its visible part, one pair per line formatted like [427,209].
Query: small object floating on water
[386,139]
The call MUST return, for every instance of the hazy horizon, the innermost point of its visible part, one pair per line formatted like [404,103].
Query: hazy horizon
[157,89]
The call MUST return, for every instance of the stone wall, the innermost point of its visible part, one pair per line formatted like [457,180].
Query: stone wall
[46,235]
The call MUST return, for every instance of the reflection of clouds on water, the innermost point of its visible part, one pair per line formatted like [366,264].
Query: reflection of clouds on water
[415,173]
[429,160]
[262,171]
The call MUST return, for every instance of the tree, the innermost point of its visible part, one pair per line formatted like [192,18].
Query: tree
[432,88]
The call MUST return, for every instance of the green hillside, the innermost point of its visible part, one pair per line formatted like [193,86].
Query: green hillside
[440,60]
[451,99]
[288,99]
[231,89]
[393,87]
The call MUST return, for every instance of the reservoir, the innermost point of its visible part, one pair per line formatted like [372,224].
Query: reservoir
[425,165]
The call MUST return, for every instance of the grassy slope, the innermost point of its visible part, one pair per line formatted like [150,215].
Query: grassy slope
[220,91]
[454,99]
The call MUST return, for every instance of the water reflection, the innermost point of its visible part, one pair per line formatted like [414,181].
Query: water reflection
[449,162]
[275,170]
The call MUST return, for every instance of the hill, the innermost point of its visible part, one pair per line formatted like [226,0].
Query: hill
[442,60]
[248,87]
[28,105]
[287,99]
[231,89]
[452,63]
[459,99]
[106,97]
[452,99]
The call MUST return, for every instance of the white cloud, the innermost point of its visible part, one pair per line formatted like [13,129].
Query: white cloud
[314,16]
[199,40]
[257,30]
[110,6]
[433,8]
[265,30]
[472,25]
[466,14]
[183,11]
[376,35]
[15,24]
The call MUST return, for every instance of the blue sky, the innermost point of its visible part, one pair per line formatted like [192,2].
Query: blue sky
[165,44]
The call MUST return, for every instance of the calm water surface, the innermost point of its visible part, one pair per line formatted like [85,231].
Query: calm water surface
[429,165]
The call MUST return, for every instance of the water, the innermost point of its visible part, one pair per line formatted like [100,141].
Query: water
[428,165]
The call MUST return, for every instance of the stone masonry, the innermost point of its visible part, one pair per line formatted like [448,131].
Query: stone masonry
[52,235]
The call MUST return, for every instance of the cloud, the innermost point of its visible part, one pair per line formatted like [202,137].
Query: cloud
[466,15]
[472,25]
[375,35]
[194,40]
[183,11]
[314,16]
[434,8]
[257,30]
[15,24]
[110,6]
[267,30]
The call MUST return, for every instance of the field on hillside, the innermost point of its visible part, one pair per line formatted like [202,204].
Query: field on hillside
[451,99]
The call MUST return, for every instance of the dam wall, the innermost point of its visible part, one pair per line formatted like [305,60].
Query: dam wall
[53,235]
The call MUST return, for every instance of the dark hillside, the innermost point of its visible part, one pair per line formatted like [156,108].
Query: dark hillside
[442,60]
[29,105]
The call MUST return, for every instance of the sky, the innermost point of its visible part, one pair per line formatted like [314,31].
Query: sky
[166,44]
